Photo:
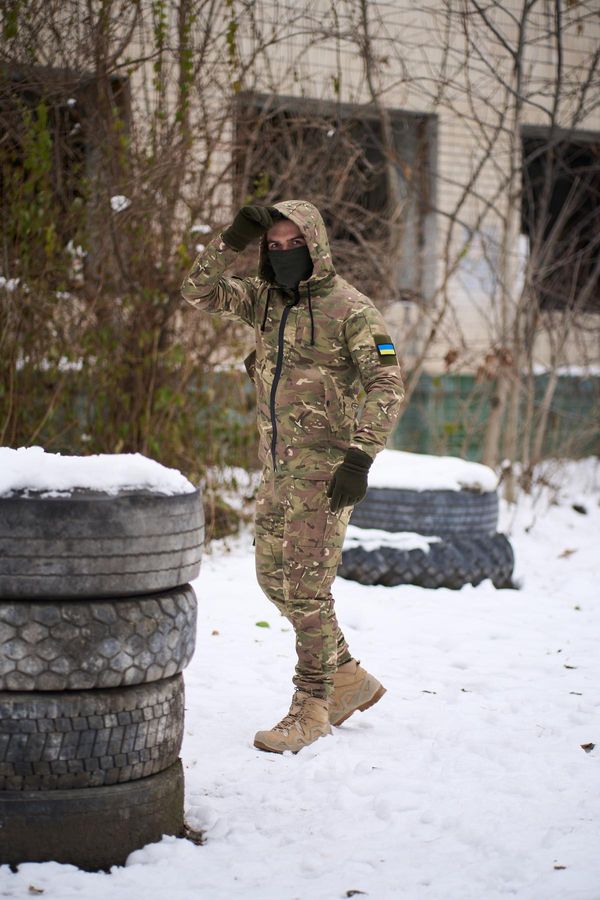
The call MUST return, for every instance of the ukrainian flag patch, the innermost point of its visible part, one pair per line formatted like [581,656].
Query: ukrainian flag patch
[385,349]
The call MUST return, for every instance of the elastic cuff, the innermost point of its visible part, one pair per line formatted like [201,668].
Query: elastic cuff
[232,243]
[358,458]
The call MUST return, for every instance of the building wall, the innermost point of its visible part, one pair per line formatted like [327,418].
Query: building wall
[468,110]
[424,64]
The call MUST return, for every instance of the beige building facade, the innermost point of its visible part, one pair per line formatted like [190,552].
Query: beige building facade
[492,87]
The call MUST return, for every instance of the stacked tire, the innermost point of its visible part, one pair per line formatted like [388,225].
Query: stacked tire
[467,548]
[97,622]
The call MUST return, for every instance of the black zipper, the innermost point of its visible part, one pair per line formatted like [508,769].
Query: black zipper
[276,377]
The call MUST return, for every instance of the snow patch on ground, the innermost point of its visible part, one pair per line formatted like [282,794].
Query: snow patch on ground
[420,472]
[373,538]
[32,469]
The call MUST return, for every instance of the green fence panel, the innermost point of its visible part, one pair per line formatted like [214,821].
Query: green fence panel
[447,415]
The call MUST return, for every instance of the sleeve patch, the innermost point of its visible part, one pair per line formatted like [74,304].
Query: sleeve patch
[385,349]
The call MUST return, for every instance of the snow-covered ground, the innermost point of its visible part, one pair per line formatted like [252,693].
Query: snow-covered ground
[468,781]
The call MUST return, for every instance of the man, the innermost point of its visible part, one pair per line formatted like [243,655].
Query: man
[318,341]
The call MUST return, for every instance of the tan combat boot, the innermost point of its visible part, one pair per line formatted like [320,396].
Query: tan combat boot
[353,688]
[307,720]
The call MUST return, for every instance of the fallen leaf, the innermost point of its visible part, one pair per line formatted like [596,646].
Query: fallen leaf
[262,624]
[579,508]
[560,867]
[215,631]
[353,893]
[577,693]
[565,666]
[35,890]
[429,692]
[587,747]
[465,691]
[566,553]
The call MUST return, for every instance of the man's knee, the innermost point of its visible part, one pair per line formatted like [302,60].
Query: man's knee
[306,582]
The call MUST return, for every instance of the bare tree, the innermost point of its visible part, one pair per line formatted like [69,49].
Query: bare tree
[130,130]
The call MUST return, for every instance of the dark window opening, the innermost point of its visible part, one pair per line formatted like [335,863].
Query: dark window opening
[561,218]
[49,153]
[376,196]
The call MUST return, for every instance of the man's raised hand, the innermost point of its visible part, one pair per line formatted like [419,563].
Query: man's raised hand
[250,223]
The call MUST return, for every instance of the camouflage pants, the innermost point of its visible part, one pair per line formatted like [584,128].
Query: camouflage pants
[298,549]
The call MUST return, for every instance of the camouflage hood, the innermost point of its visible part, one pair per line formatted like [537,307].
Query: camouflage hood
[310,222]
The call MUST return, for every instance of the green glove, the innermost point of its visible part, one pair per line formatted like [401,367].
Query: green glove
[348,483]
[250,223]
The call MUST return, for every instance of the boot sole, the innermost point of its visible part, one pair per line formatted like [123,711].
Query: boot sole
[260,746]
[374,699]
[264,747]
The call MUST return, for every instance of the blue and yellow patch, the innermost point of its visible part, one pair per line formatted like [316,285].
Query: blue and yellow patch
[385,349]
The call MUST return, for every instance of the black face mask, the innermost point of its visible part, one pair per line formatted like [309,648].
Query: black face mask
[291,266]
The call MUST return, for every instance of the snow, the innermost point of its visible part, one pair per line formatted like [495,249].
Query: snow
[466,782]
[31,468]
[75,250]
[572,371]
[45,365]
[9,284]
[373,538]
[200,228]
[119,203]
[420,472]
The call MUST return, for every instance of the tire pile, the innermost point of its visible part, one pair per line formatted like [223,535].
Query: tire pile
[97,622]
[468,550]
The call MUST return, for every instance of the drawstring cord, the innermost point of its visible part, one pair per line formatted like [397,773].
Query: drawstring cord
[264,321]
[312,321]
[297,297]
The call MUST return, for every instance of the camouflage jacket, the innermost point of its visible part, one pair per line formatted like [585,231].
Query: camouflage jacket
[315,351]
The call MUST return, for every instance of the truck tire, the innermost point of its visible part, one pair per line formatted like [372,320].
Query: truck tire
[80,645]
[93,828]
[439,513]
[85,739]
[94,544]
[449,564]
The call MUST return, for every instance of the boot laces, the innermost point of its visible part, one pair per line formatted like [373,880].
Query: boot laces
[291,719]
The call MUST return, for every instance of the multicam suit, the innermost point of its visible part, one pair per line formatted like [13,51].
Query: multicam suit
[327,378]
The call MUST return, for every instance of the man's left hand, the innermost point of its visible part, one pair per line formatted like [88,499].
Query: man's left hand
[348,483]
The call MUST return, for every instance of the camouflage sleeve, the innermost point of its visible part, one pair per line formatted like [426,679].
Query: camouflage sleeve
[205,286]
[374,356]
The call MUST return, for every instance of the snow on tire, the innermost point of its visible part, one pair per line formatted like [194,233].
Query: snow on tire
[96,544]
[91,828]
[450,563]
[75,645]
[441,513]
[84,739]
